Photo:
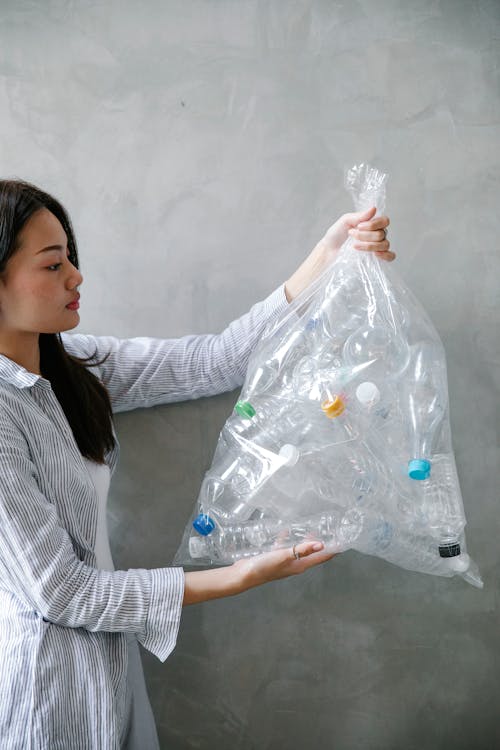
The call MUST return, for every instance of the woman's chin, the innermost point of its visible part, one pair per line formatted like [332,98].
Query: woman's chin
[68,326]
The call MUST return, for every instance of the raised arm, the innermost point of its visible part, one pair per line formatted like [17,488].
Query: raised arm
[142,372]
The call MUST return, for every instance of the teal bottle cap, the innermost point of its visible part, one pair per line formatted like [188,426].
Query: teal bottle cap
[245,409]
[419,468]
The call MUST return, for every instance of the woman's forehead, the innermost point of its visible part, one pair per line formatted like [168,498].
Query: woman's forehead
[42,228]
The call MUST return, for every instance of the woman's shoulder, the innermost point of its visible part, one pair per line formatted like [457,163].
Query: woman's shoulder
[79,344]
[86,346]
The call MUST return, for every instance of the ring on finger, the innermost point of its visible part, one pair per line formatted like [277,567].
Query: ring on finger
[295,553]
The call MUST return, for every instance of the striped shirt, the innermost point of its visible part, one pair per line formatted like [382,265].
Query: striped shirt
[63,621]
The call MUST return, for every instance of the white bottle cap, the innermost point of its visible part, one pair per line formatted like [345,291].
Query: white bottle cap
[367,393]
[290,453]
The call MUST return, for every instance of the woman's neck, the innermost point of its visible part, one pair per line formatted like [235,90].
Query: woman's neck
[24,350]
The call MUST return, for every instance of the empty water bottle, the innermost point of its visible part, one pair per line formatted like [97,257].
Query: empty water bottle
[426,398]
[440,507]
[337,530]
[408,549]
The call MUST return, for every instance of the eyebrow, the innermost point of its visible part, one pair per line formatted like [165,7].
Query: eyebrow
[50,247]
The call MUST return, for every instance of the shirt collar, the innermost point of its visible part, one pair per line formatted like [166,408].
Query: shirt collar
[18,376]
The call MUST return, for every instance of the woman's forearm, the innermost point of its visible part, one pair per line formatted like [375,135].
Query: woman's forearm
[203,585]
[307,272]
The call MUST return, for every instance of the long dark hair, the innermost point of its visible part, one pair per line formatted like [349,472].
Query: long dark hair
[84,399]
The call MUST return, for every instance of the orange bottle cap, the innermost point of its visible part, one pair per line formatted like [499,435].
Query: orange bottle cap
[333,407]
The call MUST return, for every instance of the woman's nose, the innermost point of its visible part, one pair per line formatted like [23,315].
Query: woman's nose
[74,279]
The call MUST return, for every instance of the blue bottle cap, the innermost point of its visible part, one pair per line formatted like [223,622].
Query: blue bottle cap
[419,468]
[203,524]
[312,323]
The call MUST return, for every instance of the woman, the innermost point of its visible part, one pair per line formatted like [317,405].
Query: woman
[70,672]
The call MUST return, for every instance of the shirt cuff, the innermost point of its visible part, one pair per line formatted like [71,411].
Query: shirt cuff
[164,614]
[277,302]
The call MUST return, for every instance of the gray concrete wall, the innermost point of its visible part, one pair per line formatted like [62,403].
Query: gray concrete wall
[200,148]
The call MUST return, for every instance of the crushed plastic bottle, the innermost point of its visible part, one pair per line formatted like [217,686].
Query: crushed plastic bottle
[337,531]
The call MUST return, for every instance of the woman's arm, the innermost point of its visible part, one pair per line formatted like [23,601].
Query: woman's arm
[142,372]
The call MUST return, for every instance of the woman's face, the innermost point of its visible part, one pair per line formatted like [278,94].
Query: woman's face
[39,280]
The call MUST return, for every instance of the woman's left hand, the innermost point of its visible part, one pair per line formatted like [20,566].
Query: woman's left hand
[280,563]
[368,234]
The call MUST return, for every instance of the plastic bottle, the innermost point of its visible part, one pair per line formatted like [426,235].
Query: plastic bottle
[280,426]
[239,470]
[265,419]
[379,418]
[408,549]
[292,428]
[426,398]
[251,448]
[368,532]
[441,511]
[230,543]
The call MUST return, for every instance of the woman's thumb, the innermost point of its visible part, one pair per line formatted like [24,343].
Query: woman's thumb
[357,217]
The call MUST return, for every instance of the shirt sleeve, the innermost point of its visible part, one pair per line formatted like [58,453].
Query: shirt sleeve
[38,562]
[143,372]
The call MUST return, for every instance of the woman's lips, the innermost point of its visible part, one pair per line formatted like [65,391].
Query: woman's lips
[73,305]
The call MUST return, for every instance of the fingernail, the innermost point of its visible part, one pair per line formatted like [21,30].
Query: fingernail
[317,546]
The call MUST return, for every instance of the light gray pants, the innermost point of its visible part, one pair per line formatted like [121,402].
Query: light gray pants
[139,731]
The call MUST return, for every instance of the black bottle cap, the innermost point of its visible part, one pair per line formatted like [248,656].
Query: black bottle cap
[449,550]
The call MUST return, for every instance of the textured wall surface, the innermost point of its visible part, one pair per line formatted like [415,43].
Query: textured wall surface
[200,149]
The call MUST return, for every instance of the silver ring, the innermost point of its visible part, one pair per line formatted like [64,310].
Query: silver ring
[385,233]
[295,553]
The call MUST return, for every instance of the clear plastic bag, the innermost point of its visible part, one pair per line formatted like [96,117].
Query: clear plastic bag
[341,432]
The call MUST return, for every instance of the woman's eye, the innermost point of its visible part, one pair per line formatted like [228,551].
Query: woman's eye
[54,267]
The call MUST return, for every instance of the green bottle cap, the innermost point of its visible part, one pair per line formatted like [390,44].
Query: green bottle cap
[245,409]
